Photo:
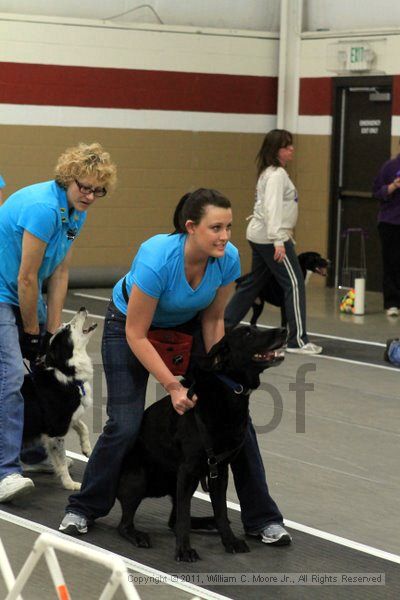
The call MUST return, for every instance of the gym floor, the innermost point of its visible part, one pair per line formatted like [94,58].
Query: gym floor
[331,461]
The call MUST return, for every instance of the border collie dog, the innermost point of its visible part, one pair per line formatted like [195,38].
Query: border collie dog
[57,393]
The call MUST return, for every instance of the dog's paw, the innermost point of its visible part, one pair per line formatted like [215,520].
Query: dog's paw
[188,555]
[236,546]
[71,485]
[137,538]
[87,450]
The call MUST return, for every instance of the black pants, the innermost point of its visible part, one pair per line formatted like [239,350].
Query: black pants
[289,276]
[390,242]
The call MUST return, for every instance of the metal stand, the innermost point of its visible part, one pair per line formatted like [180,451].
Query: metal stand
[349,273]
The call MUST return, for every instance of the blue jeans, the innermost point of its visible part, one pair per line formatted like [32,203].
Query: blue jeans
[126,388]
[11,400]
[126,385]
[12,372]
[258,509]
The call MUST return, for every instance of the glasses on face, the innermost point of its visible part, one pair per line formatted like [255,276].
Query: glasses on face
[98,192]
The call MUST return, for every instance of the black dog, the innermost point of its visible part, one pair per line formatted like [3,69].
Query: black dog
[57,393]
[173,453]
[272,292]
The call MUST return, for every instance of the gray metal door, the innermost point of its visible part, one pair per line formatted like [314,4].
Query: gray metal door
[363,132]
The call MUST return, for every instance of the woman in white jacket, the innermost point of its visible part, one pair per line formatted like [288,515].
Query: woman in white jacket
[270,235]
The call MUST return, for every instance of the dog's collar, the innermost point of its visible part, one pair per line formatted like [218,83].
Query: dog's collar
[238,388]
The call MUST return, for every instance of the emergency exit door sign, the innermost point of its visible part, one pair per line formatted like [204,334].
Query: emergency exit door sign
[358,58]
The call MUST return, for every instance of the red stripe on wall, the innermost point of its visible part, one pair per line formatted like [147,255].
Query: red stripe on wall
[56,85]
[315,96]
[396,95]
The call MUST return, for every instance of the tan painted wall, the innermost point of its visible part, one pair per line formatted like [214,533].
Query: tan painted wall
[155,168]
[311,174]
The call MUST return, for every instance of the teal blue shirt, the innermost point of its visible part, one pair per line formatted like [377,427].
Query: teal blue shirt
[2,182]
[42,210]
[159,271]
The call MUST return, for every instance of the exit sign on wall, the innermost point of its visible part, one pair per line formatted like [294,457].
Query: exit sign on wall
[358,58]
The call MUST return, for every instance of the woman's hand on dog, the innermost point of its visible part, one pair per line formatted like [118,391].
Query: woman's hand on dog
[179,397]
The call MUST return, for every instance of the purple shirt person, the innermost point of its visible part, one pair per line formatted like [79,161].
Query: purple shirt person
[387,189]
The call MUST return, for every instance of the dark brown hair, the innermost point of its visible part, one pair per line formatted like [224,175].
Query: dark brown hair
[268,153]
[192,207]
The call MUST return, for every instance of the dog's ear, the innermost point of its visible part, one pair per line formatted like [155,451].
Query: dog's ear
[215,356]
[59,351]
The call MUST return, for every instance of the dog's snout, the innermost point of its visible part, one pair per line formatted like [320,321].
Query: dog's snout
[82,309]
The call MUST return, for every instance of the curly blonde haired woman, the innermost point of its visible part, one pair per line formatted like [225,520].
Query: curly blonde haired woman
[38,224]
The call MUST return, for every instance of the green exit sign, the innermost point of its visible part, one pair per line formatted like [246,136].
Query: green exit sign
[358,58]
[357,54]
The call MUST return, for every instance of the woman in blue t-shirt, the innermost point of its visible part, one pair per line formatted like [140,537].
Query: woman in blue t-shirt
[38,224]
[181,280]
[2,185]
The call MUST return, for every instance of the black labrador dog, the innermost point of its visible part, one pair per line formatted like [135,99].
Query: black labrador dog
[272,292]
[173,453]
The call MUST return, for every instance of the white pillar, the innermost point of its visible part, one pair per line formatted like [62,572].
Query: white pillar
[289,64]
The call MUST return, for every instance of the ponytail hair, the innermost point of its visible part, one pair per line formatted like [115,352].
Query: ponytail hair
[192,207]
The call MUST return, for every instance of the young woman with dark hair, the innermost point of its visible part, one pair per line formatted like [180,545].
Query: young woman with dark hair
[180,281]
[270,235]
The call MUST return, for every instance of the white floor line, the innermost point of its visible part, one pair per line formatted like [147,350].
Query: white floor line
[90,296]
[327,336]
[321,335]
[355,362]
[330,537]
[345,360]
[130,564]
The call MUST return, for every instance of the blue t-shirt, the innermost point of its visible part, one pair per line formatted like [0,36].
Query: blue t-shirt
[159,271]
[42,209]
[2,182]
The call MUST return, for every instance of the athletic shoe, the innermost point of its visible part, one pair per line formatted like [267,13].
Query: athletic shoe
[74,524]
[274,533]
[393,311]
[44,466]
[306,349]
[14,486]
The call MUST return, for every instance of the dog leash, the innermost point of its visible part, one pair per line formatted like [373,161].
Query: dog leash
[213,460]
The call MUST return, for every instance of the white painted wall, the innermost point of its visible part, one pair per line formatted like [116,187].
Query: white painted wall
[351,14]
[97,44]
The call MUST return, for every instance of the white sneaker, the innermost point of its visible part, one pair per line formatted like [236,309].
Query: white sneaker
[44,466]
[274,533]
[14,486]
[74,524]
[306,349]
[393,311]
